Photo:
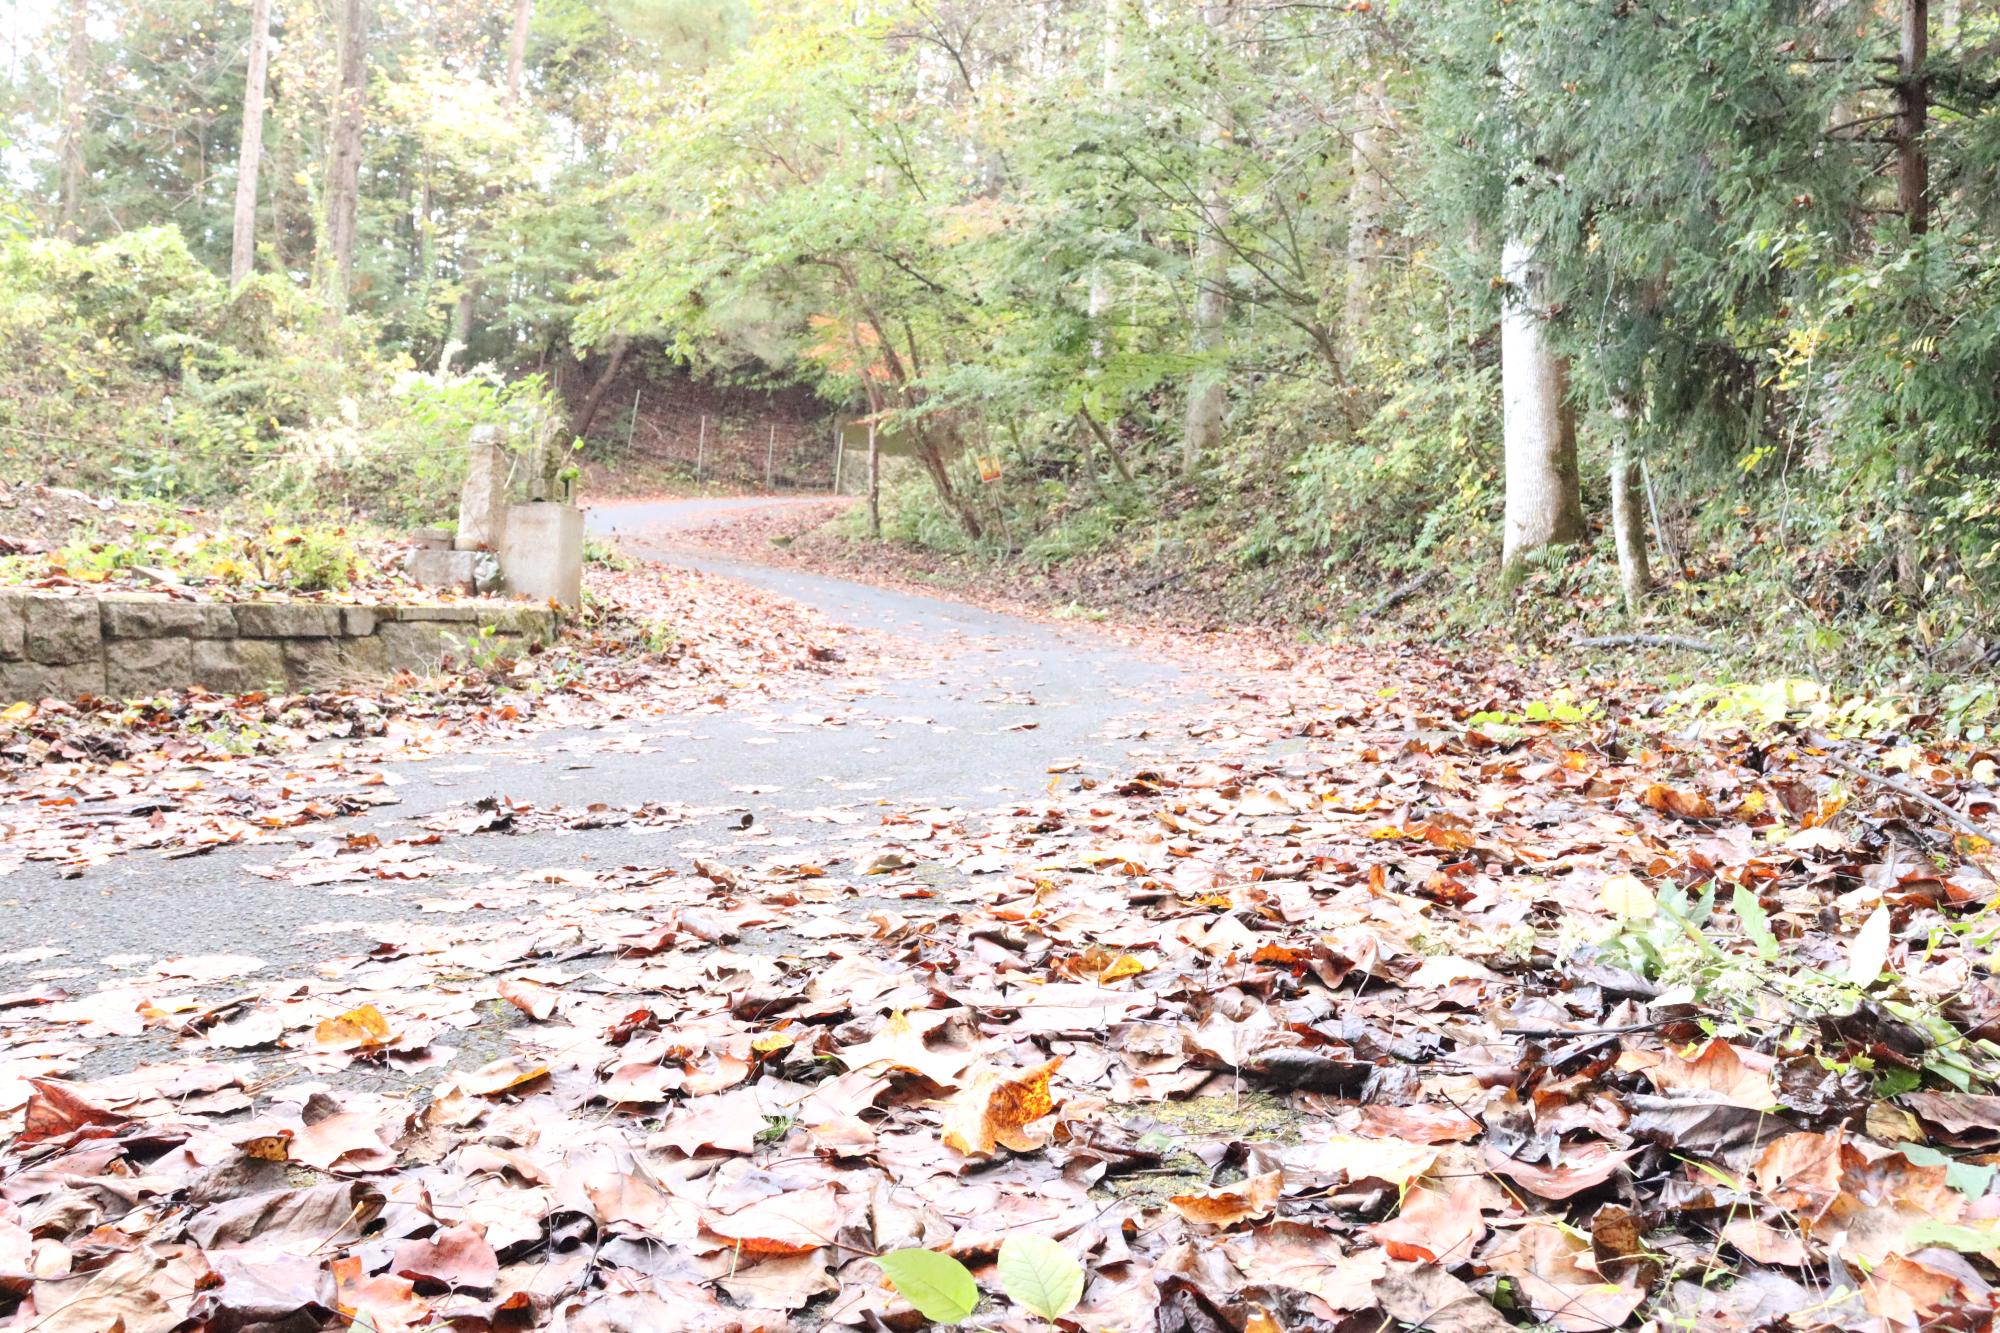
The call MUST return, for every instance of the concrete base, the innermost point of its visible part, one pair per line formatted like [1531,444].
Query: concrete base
[541,553]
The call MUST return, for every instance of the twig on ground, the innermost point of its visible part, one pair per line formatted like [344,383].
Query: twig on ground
[1901,788]
[1648,641]
[1402,593]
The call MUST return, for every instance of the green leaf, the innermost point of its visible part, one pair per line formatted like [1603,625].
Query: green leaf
[1972,1240]
[1969,1179]
[1039,1274]
[1756,924]
[938,1285]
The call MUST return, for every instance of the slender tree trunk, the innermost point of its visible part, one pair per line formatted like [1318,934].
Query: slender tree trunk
[517,51]
[75,122]
[243,233]
[1101,291]
[1544,489]
[874,485]
[343,171]
[1207,394]
[465,310]
[586,411]
[1367,200]
[1913,174]
[1628,516]
[1913,185]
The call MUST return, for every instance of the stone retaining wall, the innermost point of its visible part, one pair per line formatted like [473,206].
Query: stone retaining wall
[132,645]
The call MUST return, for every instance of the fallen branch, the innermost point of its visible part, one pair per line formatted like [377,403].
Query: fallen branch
[1648,641]
[1901,788]
[1403,593]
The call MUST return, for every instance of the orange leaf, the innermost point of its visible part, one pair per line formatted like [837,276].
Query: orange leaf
[1228,1205]
[995,1109]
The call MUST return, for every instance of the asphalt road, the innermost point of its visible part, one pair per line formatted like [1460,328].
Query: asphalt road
[972,715]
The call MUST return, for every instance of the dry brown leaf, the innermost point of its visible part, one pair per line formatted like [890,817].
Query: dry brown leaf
[996,1108]
[1227,1205]
[796,1222]
[498,1076]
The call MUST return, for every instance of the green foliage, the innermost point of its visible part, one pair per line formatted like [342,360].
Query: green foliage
[138,373]
[306,557]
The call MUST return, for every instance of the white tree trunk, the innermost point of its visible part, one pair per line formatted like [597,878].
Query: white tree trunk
[1207,397]
[1367,201]
[1628,517]
[243,232]
[1544,490]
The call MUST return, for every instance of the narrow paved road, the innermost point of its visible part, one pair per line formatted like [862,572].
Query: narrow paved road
[971,715]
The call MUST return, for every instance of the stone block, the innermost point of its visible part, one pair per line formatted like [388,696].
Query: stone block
[142,668]
[287,620]
[13,626]
[358,622]
[311,663]
[63,630]
[362,659]
[237,666]
[454,615]
[35,681]
[445,569]
[417,648]
[530,622]
[541,558]
[160,618]
[482,501]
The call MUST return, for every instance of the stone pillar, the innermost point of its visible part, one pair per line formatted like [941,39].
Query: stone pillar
[542,557]
[482,503]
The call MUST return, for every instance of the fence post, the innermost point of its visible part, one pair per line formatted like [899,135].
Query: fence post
[770,452]
[700,448]
[839,452]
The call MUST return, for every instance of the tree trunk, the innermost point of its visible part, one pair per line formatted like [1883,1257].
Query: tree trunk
[465,310]
[1628,517]
[1101,293]
[243,233]
[1367,200]
[874,485]
[1913,173]
[75,123]
[1913,186]
[517,51]
[1544,490]
[586,411]
[1207,395]
[343,167]
[459,335]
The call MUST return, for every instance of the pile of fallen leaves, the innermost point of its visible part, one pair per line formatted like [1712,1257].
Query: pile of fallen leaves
[191,771]
[1347,1013]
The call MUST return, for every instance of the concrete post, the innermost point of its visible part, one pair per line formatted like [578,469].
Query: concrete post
[482,502]
[543,555]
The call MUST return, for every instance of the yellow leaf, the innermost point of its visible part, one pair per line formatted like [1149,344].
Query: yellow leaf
[1628,899]
[357,1029]
[16,712]
[1125,965]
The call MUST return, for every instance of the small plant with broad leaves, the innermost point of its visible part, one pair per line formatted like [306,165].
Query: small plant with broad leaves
[1036,1273]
